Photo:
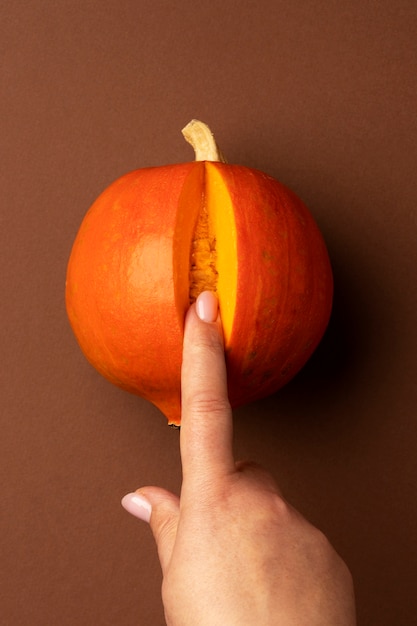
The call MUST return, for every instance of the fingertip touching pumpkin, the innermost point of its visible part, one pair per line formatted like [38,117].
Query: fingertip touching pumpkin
[158,236]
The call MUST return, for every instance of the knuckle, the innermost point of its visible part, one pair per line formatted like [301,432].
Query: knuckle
[165,526]
[321,542]
[210,344]
[204,405]
[282,509]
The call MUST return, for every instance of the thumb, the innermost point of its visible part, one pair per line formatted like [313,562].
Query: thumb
[161,509]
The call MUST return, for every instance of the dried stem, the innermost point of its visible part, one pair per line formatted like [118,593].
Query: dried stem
[201,138]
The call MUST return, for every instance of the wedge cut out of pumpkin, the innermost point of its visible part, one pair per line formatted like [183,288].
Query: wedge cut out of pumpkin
[157,237]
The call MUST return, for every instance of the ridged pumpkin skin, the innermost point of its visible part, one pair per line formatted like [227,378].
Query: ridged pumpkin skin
[128,279]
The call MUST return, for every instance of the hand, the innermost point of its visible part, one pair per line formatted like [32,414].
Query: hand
[233,552]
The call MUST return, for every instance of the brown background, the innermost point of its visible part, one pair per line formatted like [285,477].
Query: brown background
[321,95]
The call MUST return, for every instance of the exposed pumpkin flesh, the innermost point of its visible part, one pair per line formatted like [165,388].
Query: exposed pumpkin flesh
[203,272]
[213,256]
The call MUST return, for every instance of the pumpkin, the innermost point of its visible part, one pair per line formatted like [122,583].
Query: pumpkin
[158,236]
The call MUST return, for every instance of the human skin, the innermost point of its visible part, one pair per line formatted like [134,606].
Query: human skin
[233,552]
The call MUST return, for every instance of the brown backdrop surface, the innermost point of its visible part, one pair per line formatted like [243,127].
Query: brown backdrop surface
[321,95]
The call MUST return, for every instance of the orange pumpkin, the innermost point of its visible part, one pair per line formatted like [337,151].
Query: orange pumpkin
[157,237]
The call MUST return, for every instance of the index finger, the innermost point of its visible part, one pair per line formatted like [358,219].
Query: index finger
[206,422]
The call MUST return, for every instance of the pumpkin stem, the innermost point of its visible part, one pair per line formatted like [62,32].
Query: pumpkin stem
[201,138]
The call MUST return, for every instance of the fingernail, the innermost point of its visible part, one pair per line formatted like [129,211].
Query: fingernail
[207,306]
[138,506]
